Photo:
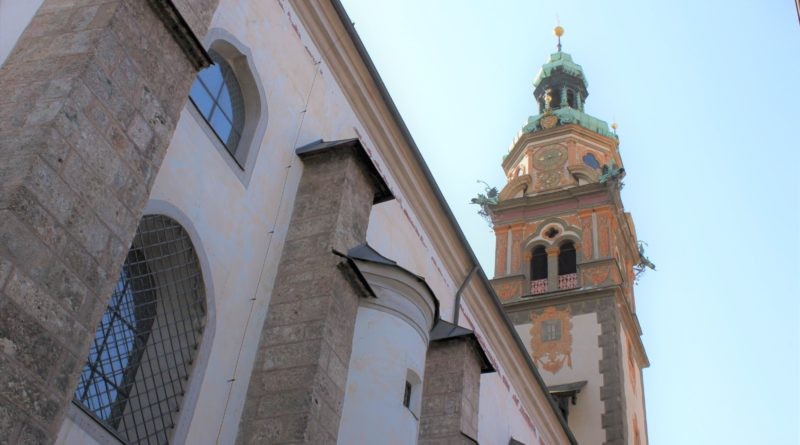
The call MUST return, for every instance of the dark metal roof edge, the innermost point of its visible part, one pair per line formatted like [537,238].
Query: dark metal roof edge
[393,264]
[319,146]
[358,273]
[575,387]
[357,253]
[456,332]
[362,51]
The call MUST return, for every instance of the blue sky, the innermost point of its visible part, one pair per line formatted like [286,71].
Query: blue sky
[705,94]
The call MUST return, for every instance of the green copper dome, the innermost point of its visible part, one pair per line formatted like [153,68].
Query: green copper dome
[561,89]
[562,61]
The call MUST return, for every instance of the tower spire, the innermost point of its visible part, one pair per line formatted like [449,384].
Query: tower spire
[558,31]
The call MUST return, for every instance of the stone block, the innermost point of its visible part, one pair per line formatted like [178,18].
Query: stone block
[286,402]
[283,379]
[32,435]
[35,302]
[5,270]
[285,429]
[292,355]
[22,338]
[9,424]
[26,393]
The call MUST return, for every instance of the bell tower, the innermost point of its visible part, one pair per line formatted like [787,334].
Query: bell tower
[567,256]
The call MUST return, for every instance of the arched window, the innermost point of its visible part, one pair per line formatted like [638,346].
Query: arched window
[571,99]
[218,97]
[567,259]
[539,264]
[138,366]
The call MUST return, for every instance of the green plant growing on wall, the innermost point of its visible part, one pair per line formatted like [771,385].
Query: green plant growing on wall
[643,264]
[612,174]
[488,198]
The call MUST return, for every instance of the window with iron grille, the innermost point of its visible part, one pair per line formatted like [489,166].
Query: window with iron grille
[139,363]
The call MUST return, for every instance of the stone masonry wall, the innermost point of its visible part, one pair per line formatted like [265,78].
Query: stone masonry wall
[89,99]
[450,393]
[296,391]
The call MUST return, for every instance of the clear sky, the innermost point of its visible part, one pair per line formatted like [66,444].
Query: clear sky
[705,94]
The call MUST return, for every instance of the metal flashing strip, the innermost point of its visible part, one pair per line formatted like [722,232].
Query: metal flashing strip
[383,193]
[364,252]
[444,331]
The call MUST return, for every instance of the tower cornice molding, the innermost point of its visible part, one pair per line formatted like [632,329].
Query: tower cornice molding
[559,133]
[588,196]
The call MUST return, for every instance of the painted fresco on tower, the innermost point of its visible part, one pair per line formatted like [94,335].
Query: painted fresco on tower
[551,339]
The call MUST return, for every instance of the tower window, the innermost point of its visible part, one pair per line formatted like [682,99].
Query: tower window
[407,395]
[567,259]
[591,161]
[412,393]
[571,99]
[555,98]
[134,378]
[551,330]
[539,264]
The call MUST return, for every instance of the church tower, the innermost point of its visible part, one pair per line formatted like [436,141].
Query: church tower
[567,258]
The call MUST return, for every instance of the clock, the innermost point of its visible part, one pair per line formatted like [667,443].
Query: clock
[549,179]
[550,158]
[548,121]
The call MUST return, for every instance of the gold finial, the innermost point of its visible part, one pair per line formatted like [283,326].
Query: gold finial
[614,127]
[558,31]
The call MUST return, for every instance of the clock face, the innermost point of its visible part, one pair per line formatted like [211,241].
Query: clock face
[549,158]
[549,179]
[549,121]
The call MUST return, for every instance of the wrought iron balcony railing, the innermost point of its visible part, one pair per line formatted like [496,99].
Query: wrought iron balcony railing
[568,281]
[538,286]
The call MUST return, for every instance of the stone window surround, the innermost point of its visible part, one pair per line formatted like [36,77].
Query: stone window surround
[240,58]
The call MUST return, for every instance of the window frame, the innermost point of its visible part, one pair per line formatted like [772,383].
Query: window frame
[239,58]
[164,254]
[229,83]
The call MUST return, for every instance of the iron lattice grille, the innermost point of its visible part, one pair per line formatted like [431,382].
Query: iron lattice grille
[139,363]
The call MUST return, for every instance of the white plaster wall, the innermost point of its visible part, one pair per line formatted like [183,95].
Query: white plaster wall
[15,15]
[585,417]
[634,397]
[499,419]
[384,348]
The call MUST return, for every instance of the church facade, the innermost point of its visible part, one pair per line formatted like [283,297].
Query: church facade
[216,228]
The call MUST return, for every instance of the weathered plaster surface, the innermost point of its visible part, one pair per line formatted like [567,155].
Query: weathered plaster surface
[586,355]
[384,348]
[634,392]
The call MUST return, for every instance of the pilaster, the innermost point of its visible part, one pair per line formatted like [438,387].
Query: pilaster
[89,99]
[552,268]
[297,388]
[450,393]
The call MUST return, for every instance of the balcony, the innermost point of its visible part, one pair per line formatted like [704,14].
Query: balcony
[538,286]
[568,281]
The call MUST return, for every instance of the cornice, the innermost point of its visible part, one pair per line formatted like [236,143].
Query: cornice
[329,28]
[553,134]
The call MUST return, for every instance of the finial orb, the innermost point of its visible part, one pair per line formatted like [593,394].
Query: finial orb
[558,31]
[614,126]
